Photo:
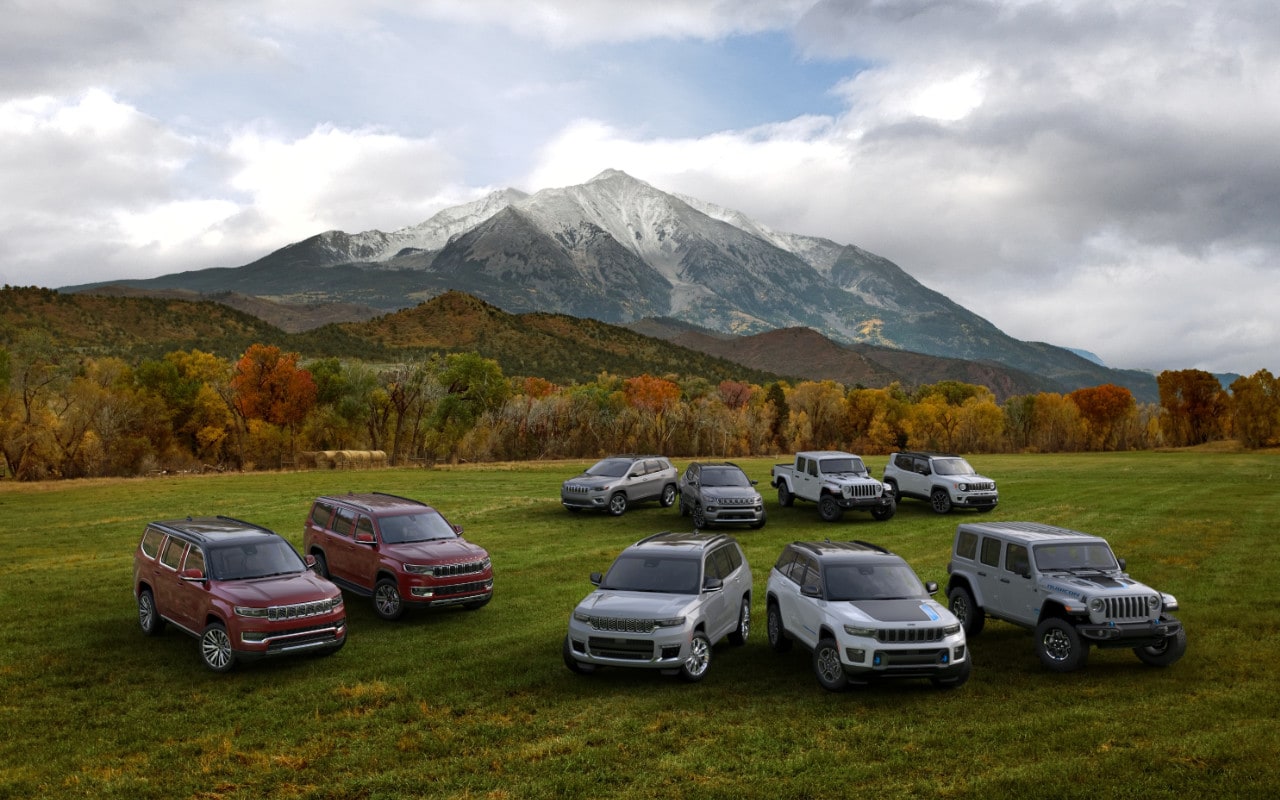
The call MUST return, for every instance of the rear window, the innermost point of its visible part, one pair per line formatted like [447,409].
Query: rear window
[171,556]
[967,544]
[151,540]
[991,552]
[320,513]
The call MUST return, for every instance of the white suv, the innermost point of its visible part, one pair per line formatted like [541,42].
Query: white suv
[864,614]
[616,483]
[663,604]
[944,479]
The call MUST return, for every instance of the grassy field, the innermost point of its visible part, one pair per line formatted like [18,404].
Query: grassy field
[478,704]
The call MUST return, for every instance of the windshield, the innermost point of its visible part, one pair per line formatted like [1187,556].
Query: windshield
[254,560]
[725,477]
[872,582]
[423,526]
[610,468]
[1067,557]
[850,464]
[952,466]
[639,573]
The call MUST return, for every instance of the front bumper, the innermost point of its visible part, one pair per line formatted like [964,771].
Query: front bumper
[257,644]
[989,500]
[588,501]
[727,515]
[665,648]
[865,658]
[1129,634]
[423,593]
[864,503]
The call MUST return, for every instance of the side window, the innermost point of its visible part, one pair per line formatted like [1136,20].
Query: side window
[691,474]
[902,462]
[651,467]
[344,521]
[813,467]
[783,565]
[967,545]
[1015,559]
[811,574]
[171,555]
[723,565]
[735,557]
[151,541]
[990,551]
[195,560]
[364,525]
[320,513]
[922,466]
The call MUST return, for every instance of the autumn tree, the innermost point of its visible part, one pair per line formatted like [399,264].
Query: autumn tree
[1104,410]
[1255,409]
[269,387]
[1195,406]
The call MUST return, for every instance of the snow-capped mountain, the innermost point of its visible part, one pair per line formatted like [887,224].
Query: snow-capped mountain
[617,249]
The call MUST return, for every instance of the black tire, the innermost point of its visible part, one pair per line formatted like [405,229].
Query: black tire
[940,500]
[215,648]
[892,486]
[1059,645]
[739,635]
[1165,653]
[575,666]
[785,498]
[696,665]
[966,609]
[387,602]
[778,638]
[668,498]
[149,618]
[699,517]
[828,509]
[827,667]
[618,504]
[882,513]
[955,679]
[322,565]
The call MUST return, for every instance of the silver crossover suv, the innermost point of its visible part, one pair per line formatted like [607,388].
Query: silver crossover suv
[615,483]
[720,494]
[663,604]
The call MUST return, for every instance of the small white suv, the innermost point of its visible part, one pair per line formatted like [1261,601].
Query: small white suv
[864,613]
[662,605]
[616,483]
[945,480]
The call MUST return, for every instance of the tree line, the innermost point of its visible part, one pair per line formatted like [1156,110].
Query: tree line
[64,416]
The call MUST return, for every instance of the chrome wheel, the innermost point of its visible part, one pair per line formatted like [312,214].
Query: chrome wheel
[739,636]
[699,661]
[827,666]
[148,617]
[215,648]
[386,599]
[618,504]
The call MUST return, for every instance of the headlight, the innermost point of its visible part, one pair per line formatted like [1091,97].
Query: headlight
[951,630]
[672,622]
[418,569]
[1153,602]
[581,616]
[335,601]
[250,611]
[1096,605]
[854,630]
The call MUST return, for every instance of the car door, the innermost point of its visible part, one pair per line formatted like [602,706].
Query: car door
[1018,595]
[807,480]
[914,479]
[988,571]
[719,610]
[345,556]
[169,586]
[192,595]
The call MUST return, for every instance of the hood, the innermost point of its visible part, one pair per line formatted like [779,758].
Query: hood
[1104,582]
[282,590]
[436,551]
[926,612]
[729,493]
[592,481]
[636,605]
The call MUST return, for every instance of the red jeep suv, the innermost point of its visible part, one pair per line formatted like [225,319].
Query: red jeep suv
[398,551]
[242,590]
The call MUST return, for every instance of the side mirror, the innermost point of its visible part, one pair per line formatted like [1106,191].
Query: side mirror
[753,483]
[457,529]
[811,590]
[193,575]
[364,537]
[931,587]
[1122,564]
[310,561]
[712,585]
[596,578]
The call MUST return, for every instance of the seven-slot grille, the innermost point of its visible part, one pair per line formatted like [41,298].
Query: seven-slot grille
[862,490]
[300,610]
[450,570]
[622,624]
[899,635]
[1127,607]
[577,488]
[981,486]
[736,501]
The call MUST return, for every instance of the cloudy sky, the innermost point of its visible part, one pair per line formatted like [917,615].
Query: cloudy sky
[1099,174]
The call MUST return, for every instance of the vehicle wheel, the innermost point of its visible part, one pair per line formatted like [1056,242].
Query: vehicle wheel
[758,524]
[699,517]
[215,648]
[668,498]
[954,680]
[322,566]
[1059,645]
[966,609]
[148,617]
[829,509]
[574,665]
[778,638]
[618,504]
[740,634]
[827,666]
[892,486]
[1165,653]
[696,665]
[940,500]
[474,604]
[882,513]
[785,498]
[387,602]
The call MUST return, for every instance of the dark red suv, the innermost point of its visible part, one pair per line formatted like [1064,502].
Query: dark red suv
[398,551]
[241,589]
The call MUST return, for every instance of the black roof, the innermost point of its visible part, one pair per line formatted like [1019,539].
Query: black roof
[373,502]
[209,530]
[695,540]
[828,548]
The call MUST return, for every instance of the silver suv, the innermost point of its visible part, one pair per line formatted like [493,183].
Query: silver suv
[716,494]
[616,483]
[944,479]
[1065,585]
[864,614]
[662,605]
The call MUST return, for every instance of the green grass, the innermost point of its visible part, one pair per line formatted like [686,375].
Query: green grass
[478,704]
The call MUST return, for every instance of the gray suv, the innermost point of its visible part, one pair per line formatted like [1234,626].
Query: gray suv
[716,494]
[662,605]
[1065,585]
[945,480]
[616,483]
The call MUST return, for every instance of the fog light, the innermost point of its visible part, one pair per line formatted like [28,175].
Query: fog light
[253,637]
[421,591]
[959,653]
[876,660]
[855,655]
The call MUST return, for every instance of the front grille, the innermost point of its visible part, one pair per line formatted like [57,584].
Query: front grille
[300,610]
[577,488]
[736,501]
[622,624]
[449,570]
[1127,607]
[982,486]
[633,649]
[475,587]
[912,658]
[862,490]
[900,635]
